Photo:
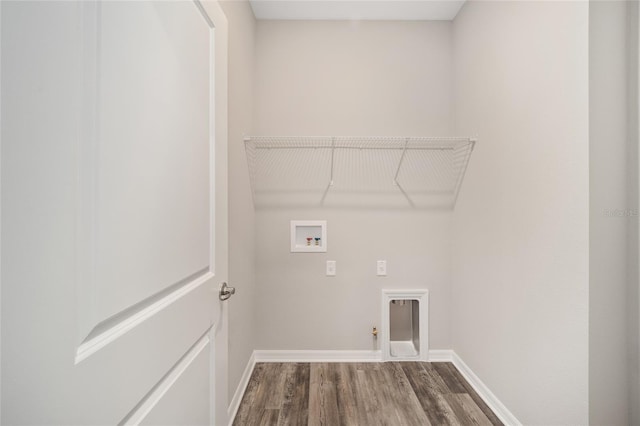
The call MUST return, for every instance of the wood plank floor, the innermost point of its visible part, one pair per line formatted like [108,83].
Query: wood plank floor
[364,394]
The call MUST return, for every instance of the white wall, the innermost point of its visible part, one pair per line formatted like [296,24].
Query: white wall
[350,78]
[633,187]
[360,78]
[241,213]
[608,365]
[301,308]
[520,228]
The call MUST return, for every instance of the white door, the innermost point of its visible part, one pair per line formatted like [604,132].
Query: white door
[111,262]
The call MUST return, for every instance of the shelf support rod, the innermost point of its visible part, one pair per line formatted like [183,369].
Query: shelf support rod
[404,151]
[333,150]
[472,144]
[405,195]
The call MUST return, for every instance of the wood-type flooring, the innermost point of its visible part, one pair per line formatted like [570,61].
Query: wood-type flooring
[363,394]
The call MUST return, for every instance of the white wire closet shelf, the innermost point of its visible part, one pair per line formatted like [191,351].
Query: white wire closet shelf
[415,172]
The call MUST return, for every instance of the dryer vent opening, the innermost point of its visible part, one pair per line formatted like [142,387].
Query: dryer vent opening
[404,328]
[404,325]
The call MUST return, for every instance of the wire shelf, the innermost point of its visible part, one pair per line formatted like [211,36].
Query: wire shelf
[420,172]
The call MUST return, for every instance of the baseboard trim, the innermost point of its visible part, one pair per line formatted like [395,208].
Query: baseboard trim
[317,356]
[232,410]
[440,355]
[481,389]
[435,355]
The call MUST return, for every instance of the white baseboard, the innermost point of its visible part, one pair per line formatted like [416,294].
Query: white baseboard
[232,410]
[441,355]
[481,389]
[435,355]
[317,356]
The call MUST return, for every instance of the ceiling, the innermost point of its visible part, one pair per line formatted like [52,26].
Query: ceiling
[386,10]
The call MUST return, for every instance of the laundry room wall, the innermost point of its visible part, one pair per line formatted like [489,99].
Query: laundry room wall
[520,310]
[342,78]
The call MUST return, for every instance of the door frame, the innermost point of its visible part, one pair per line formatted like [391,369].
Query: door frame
[219,332]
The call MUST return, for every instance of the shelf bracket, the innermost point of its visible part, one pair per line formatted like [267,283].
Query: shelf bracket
[404,151]
[333,151]
[456,189]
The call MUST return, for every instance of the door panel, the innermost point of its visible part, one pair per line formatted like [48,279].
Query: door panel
[113,380]
[180,403]
[108,291]
[153,192]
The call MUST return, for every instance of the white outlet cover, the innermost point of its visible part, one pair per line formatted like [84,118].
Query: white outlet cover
[381,268]
[331,268]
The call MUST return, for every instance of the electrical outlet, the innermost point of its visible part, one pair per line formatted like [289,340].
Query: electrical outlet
[331,268]
[381,268]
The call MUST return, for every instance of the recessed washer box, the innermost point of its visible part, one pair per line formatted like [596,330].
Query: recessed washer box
[308,236]
[405,325]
